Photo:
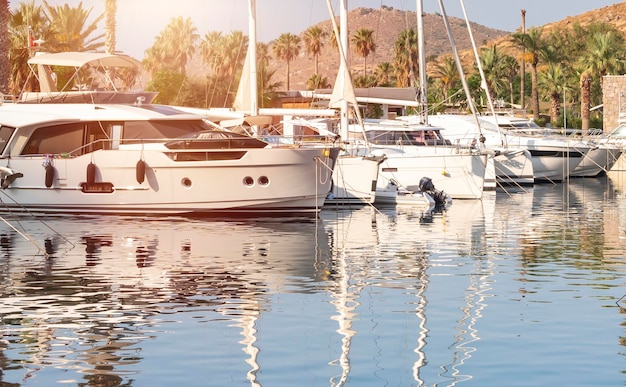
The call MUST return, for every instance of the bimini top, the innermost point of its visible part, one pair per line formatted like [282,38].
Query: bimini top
[80,59]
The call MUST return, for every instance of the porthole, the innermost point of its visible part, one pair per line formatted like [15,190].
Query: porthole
[186,182]
[264,181]
[248,181]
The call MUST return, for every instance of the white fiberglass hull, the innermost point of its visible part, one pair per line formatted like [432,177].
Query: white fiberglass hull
[553,159]
[354,180]
[597,161]
[514,167]
[460,175]
[285,181]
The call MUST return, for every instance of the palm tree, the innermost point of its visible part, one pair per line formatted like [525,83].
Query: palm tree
[552,83]
[287,47]
[70,28]
[448,73]
[333,40]
[585,98]
[266,88]
[493,67]
[603,56]
[383,73]
[5,64]
[317,82]
[173,47]
[534,46]
[405,57]
[28,18]
[110,7]
[232,54]
[314,42]
[209,45]
[511,71]
[364,44]
[225,55]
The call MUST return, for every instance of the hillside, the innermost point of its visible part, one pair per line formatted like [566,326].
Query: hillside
[612,14]
[387,24]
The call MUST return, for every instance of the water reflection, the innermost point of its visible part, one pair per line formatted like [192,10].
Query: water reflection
[90,310]
[395,249]
[361,296]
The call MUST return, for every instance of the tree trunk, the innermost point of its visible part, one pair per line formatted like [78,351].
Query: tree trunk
[110,7]
[555,108]
[585,99]
[534,92]
[287,76]
[364,65]
[5,65]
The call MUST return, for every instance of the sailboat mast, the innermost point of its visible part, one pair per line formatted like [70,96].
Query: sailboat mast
[423,97]
[457,59]
[483,79]
[254,109]
[343,37]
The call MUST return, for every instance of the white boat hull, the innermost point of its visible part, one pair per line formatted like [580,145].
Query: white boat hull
[514,167]
[460,175]
[264,181]
[553,163]
[597,161]
[354,180]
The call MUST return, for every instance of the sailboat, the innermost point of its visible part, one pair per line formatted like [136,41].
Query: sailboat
[411,155]
[354,176]
[552,159]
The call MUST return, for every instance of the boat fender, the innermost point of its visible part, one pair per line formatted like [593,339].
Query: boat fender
[141,171]
[91,173]
[49,175]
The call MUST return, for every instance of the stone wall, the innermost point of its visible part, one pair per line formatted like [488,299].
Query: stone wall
[613,100]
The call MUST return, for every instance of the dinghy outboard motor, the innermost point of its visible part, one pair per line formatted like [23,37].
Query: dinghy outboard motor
[426,186]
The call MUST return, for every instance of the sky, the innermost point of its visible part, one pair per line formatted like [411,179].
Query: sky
[140,21]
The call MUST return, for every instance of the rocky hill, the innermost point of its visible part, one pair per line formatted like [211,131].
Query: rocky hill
[612,14]
[387,23]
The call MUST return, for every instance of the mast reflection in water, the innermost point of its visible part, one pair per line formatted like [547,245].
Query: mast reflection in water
[520,288]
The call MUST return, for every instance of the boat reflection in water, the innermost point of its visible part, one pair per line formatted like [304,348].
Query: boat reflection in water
[93,302]
[378,274]
[360,296]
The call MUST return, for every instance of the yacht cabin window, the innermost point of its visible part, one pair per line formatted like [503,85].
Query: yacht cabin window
[74,139]
[5,134]
[84,137]
[406,137]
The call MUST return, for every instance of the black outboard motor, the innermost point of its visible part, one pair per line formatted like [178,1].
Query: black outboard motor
[426,184]
[441,198]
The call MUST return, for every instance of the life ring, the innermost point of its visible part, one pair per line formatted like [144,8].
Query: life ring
[91,173]
[140,171]
[49,175]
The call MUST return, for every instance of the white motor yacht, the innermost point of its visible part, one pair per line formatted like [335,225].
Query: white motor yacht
[150,159]
[553,158]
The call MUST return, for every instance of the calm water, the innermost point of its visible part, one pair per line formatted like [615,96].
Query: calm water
[519,289]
